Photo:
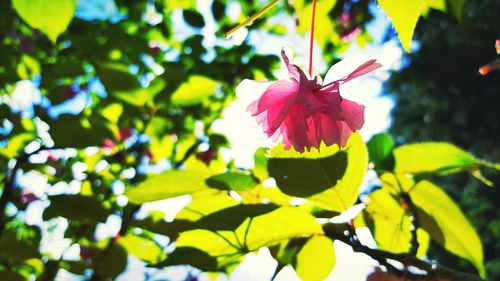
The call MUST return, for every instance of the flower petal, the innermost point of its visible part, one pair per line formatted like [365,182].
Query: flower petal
[292,68]
[363,69]
[348,67]
[273,106]
[353,114]
[296,127]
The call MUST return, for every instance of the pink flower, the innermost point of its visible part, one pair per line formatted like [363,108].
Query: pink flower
[306,111]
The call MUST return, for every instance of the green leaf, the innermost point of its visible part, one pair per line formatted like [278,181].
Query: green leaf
[218,10]
[330,178]
[261,162]
[190,256]
[170,229]
[457,6]
[28,67]
[193,18]
[16,247]
[433,157]
[204,205]
[439,5]
[237,230]
[50,17]
[194,90]
[76,207]
[455,232]
[390,224]
[16,145]
[404,16]
[380,148]
[167,185]
[11,276]
[232,181]
[308,266]
[72,131]
[185,4]
[327,32]
[124,86]
[143,248]
[231,218]
[76,267]
[113,263]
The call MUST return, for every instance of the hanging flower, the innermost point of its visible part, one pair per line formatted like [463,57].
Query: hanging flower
[306,111]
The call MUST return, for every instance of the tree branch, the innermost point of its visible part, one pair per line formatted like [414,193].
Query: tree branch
[434,271]
[9,185]
[412,210]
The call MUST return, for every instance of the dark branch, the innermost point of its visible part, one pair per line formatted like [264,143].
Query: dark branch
[412,210]
[434,271]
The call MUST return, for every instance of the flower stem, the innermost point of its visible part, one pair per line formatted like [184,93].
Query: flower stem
[312,37]
[251,19]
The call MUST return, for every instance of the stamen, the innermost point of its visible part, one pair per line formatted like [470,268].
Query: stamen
[251,19]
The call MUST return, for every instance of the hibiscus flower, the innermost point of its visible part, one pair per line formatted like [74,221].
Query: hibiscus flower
[306,111]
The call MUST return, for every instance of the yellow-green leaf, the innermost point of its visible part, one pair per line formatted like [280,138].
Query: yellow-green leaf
[205,205]
[237,230]
[28,67]
[311,268]
[49,16]
[439,5]
[330,177]
[390,224]
[457,6]
[326,33]
[404,16]
[15,145]
[167,185]
[143,248]
[432,157]
[448,225]
[194,90]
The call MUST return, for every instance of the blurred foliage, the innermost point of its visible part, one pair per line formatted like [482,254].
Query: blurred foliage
[106,106]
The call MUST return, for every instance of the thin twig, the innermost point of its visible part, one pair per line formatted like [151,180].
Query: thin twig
[251,19]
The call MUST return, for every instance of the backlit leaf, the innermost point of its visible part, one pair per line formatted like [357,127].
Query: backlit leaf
[330,178]
[390,224]
[50,17]
[167,185]
[455,232]
[404,16]
[143,248]
[322,19]
[232,181]
[204,205]
[237,230]
[16,145]
[311,268]
[438,158]
[194,90]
